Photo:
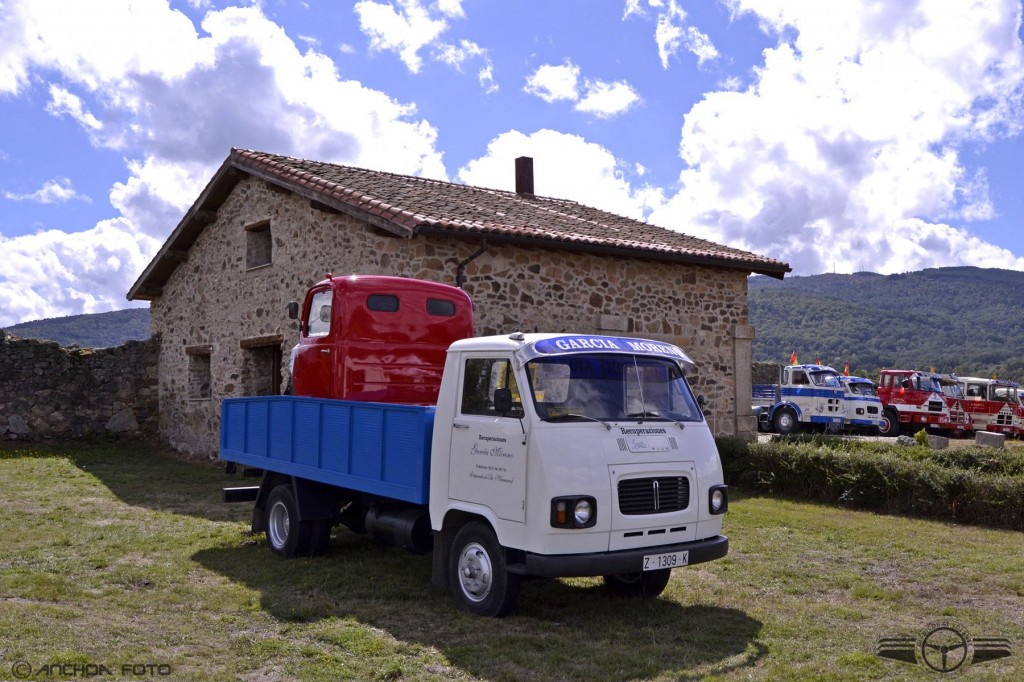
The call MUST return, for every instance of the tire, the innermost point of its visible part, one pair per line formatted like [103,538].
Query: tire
[286,536]
[890,427]
[477,575]
[784,421]
[646,585]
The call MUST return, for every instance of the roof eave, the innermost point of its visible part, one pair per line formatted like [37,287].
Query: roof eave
[776,270]
[176,247]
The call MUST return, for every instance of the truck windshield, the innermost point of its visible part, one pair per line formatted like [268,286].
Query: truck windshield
[610,387]
[861,388]
[924,382]
[825,378]
[952,390]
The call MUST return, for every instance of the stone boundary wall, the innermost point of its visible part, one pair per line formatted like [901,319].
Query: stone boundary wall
[49,392]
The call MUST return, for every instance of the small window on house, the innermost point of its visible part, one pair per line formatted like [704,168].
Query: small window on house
[382,303]
[441,307]
[258,245]
[198,374]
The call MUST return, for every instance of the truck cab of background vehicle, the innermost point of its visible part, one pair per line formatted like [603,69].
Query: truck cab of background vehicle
[993,404]
[961,422]
[912,400]
[861,404]
[379,338]
[808,395]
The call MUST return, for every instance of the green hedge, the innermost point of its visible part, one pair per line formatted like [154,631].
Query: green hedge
[968,485]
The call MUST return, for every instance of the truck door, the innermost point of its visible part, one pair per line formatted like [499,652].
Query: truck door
[488,450]
[312,373]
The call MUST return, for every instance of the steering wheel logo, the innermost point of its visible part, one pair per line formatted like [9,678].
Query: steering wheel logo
[944,649]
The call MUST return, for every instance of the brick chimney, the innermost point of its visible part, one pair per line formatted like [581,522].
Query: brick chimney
[524,175]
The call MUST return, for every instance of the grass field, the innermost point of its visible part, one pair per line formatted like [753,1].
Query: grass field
[125,560]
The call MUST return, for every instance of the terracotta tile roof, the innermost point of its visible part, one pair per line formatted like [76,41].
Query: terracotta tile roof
[407,205]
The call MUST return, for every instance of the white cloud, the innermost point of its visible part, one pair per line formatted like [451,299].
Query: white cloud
[561,82]
[606,100]
[565,166]
[56,191]
[63,102]
[553,82]
[39,280]
[404,29]
[672,32]
[845,150]
[457,55]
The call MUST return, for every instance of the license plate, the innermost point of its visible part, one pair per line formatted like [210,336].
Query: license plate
[654,562]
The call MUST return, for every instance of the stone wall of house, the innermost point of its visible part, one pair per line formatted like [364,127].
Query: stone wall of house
[49,392]
[218,318]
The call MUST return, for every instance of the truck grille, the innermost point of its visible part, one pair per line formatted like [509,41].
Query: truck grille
[654,495]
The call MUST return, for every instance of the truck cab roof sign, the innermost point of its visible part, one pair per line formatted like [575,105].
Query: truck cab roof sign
[588,344]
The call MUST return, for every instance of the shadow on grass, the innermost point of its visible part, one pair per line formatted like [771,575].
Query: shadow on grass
[561,629]
[147,476]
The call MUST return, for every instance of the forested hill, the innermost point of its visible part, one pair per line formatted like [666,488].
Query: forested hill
[98,330]
[964,320]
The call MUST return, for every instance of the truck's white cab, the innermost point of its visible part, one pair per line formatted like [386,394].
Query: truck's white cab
[569,455]
[861,404]
[806,395]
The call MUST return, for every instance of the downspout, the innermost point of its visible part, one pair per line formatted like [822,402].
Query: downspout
[460,272]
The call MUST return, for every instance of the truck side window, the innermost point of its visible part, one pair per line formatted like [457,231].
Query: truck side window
[484,376]
[382,303]
[320,314]
[440,307]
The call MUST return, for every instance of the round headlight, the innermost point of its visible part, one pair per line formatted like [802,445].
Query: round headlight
[583,512]
[717,499]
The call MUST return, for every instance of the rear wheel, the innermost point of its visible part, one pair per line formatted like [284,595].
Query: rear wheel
[286,535]
[648,584]
[890,423]
[785,422]
[477,575]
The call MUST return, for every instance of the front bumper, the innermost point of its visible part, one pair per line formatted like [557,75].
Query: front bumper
[625,561]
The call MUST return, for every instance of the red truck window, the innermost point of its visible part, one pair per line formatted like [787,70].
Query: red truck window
[440,307]
[320,314]
[382,303]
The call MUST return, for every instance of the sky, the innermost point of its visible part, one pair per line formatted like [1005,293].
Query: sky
[832,135]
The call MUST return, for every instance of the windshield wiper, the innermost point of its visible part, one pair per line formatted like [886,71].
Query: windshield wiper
[656,415]
[573,415]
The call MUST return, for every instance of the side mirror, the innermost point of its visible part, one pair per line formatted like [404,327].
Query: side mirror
[503,401]
[701,402]
[293,310]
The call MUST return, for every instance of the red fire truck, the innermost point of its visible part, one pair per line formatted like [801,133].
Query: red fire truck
[994,405]
[912,400]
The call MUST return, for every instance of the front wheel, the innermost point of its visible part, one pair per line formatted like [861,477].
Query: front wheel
[890,423]
[477,574]
[785,421]
[648,584]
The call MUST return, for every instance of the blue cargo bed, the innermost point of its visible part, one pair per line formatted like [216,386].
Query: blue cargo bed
[377,448]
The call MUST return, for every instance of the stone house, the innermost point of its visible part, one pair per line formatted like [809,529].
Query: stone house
[267,227]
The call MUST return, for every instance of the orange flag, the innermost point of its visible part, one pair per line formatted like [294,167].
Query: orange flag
[846,369]
[792,358]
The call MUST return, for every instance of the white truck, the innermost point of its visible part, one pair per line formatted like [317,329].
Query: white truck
[806,396]
[862,406]
[546,455]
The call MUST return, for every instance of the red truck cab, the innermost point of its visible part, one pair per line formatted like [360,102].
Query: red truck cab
[912,400]
[377,338]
